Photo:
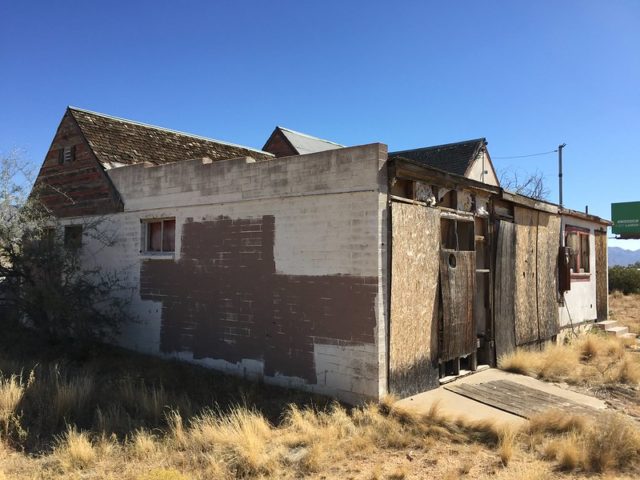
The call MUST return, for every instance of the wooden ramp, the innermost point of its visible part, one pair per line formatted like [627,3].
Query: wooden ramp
[516,398]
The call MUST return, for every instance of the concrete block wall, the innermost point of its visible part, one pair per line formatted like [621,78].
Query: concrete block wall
[279,270]
[580,301]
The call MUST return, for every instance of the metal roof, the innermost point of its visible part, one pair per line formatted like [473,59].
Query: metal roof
[304,143]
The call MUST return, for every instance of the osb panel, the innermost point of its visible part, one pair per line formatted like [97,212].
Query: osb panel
[414,282]
[503,291]
[457,279]
[525,295]
[547,266]
[602,287]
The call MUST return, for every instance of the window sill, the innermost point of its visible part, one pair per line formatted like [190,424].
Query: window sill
[157,255]
[580,277]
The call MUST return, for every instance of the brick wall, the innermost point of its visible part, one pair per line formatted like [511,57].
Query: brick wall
[279,271]
[80,186]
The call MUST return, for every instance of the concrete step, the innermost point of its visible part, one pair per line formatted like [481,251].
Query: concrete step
[605,324]
[617,331]
[629,336]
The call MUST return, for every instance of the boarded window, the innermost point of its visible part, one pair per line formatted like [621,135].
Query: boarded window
[160,235]
[457,234]
[67,154]
[73,236]
[578,240]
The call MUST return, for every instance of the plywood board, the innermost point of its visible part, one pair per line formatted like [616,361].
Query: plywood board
[602,287]
[414,289]
[548,240]
[504,305]
[457,280]
[526,324]
[518,399]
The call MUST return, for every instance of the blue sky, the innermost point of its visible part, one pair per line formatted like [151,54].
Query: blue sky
[526,75]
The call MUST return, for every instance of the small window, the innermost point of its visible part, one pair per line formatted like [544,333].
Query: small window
[160,235]
[578,240]
[67,154]
[73,236]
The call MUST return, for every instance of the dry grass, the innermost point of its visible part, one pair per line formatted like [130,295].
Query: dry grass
[11,393]
[592,359]
[75,450]
[625,309]
[85,423]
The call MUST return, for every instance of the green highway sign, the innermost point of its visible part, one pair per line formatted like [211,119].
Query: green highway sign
[626,218]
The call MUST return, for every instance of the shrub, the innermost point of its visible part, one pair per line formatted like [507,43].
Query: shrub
[624,279]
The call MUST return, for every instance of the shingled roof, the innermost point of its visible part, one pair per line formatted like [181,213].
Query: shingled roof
[117,142]
[452,157]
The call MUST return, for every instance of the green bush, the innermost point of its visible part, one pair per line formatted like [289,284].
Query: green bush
[624,279]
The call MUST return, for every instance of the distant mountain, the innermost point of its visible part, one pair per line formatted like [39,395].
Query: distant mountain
[620,256]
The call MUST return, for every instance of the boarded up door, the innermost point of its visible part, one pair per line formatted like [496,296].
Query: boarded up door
[414,289]
[504,307]
[547,266]
[602,287]
[526,272]
[457,279]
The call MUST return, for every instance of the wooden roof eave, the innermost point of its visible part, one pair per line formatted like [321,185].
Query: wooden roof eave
[404,168]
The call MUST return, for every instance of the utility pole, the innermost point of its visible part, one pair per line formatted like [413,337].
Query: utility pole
[560,147]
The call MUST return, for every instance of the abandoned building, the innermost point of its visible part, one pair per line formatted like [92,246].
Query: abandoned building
[347,271]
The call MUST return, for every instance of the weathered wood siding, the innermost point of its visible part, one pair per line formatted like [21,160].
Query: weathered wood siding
[457,280]
[414,289]
[547,266]
[536,267]
[526,265]
[602,287]
[504,306]
[79,187]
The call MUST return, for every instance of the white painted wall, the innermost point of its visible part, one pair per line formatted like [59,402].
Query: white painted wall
[580,301]
[481,164]
[330,215]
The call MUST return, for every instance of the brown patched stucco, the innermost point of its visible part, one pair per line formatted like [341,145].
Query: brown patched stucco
[224,300]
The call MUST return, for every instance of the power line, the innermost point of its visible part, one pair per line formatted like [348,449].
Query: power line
[530,155]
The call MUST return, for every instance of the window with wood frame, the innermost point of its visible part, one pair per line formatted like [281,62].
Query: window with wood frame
[577,239]
[73,236]
[159,235]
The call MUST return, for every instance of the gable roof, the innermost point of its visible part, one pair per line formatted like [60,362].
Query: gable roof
[452,157]
[116,142]
[303,143]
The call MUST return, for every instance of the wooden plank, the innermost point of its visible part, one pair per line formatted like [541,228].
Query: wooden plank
[518,399]
[526,307]
[414,290]
[504,306]
[547,266]
[602,279]
[457,280]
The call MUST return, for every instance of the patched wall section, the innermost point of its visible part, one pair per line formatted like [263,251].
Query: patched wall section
[224,300]
[281,262]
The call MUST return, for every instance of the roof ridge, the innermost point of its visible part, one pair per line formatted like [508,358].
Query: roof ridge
[309,136]
[169,130]
[452,144]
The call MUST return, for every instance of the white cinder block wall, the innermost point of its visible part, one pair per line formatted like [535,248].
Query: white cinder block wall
[580,301]
[329,211]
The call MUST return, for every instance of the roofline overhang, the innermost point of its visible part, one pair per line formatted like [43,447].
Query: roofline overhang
[405,168]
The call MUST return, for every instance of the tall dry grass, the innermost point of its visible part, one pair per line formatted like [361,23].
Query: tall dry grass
[592,359]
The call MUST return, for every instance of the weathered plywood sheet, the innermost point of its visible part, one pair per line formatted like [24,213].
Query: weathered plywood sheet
[547,266]
[457,280]
[525,295]
[504,305]
[414,289]
[518,399]
[602,287]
